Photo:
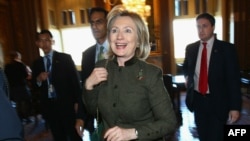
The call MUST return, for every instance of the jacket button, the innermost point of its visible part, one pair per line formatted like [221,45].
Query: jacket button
[117,121]
[114,104]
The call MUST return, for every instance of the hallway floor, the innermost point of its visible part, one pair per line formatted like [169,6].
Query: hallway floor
[35,131]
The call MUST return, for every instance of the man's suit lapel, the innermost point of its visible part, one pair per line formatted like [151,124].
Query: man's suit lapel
[194,55]
[55,62]
[93,53]
[90,58]
[41,64]
[214,57]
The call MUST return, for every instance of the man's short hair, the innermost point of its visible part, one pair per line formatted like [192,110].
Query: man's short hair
[45,31]
[208,17]
[97,9]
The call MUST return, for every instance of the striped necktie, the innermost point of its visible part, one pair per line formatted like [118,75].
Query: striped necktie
[48,65]
[101,54]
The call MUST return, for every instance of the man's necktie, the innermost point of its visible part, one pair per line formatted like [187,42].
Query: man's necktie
[51,93]
[48,65]
[203,80]
[101,53]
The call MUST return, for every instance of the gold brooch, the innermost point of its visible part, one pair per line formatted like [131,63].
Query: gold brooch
[140,75]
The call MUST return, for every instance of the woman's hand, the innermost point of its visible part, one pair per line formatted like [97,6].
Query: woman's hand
[98,75]
[120,134]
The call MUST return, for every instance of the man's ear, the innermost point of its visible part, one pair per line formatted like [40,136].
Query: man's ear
[52,42]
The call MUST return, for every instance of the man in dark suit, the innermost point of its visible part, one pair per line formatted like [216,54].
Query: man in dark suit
[56,77]
[220,100]
[90,56]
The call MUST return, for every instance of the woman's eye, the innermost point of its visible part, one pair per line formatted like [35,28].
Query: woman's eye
[113,30]
[128,31]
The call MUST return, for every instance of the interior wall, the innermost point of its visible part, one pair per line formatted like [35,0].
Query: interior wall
[5,33]
[17,30]
[241,15]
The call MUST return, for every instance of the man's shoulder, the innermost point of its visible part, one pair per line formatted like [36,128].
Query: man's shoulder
[192,47]
[194,43]
[90,49]
[221,42]
[39,59]
[61,54]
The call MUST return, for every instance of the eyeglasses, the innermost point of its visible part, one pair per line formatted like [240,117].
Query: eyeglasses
[97,22]
[44,40]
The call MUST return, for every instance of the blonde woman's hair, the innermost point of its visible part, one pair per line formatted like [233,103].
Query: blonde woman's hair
[143,48]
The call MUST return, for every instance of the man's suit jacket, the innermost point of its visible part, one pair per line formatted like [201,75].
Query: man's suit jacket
[88,62]
[65,79]
[223,76]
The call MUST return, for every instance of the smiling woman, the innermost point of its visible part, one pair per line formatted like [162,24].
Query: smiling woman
[141,108]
